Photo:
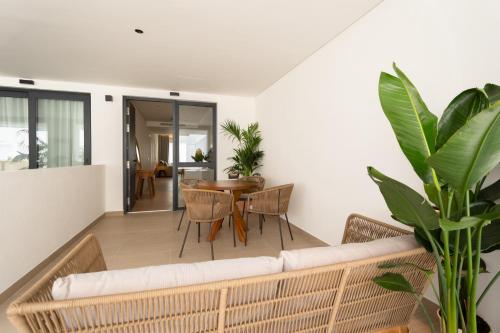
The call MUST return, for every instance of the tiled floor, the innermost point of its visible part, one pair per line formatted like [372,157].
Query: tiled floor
[152,238]
[163,199]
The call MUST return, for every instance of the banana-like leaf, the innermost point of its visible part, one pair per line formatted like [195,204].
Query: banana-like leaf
[491,193]
[394,282]
[423,240]
[389,265]
[490,240]
[405,204]
[464,223]
[471,153]
[415,127]
[462,108]
[493,92]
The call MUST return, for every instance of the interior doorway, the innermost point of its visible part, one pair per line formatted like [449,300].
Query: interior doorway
[165,141]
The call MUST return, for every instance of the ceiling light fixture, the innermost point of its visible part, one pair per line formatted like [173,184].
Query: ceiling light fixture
[139,31]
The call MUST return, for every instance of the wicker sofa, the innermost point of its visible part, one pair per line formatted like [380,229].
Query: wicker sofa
[335,298]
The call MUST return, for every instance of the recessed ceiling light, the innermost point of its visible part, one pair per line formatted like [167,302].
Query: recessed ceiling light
[139,31]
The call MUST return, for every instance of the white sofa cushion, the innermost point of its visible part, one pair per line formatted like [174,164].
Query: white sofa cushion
[158,277]
[329,255]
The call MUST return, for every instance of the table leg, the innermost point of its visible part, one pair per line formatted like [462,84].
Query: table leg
[239,222]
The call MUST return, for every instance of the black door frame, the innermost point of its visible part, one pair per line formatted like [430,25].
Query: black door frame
[176,164]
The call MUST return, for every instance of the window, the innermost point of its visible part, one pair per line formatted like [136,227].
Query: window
[43,129]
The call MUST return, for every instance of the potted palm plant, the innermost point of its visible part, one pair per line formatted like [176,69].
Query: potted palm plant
[247,156]
[459,218]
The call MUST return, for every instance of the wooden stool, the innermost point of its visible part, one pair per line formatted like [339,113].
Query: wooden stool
[149,176]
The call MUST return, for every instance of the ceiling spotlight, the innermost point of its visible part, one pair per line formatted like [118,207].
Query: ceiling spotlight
[139,31]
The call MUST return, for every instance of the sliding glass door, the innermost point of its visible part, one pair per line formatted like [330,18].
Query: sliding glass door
[194,144]
[186,145]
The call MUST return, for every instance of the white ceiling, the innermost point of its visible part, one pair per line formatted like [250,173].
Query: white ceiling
[216,46]
[189,115]
[155,111]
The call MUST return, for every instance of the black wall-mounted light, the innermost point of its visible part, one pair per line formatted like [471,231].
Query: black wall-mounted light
[139,31]
[25,81]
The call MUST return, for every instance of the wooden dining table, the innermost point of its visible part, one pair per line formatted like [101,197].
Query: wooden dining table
[236,187]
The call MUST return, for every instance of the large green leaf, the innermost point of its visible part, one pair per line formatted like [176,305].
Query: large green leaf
[405,204]
[491,192]
[389,265]
[394,282]
[493,92]
[415,127]
[464,223]
[490,240]
[471,153]
[462,108]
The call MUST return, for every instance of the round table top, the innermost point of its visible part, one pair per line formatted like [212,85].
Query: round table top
[227,185]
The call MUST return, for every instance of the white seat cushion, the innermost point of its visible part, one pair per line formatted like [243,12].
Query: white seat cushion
[329,255]
[159,277]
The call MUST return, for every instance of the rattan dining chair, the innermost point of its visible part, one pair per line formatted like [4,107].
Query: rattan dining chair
[185,184]
[261,181]
[272,201]
[205,206]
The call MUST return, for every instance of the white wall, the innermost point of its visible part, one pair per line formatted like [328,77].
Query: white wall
[107,122]
[322,123]
[43,209]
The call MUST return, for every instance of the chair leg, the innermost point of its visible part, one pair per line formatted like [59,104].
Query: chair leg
[211,242]
[180,221]
[234,236]
[198,232]
[261,224]
[246,233]
[289,229]
[185,237]
[281,234]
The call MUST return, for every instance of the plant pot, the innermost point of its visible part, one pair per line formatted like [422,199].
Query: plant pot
[482,325]
[233,175]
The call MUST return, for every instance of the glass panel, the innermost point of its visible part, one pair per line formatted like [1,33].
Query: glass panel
[14,136]
[195,133]
[60,133]
[199,173]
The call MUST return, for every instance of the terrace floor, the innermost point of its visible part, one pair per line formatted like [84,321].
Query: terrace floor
[144,239]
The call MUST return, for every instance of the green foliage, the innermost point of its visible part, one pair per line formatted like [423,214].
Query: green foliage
[463,107]
[406,204]
[453,160]
[471,153]
[394,282]
[415,127]
[247,156]
[199,156]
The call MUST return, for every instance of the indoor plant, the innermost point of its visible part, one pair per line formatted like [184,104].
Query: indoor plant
[247,154]
[459,220]
[199,156]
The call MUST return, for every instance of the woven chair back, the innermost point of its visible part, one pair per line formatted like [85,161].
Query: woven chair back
[207,206]
[272,201]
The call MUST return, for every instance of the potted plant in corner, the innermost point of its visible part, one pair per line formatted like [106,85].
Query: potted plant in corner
[459,219]
[247,154]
